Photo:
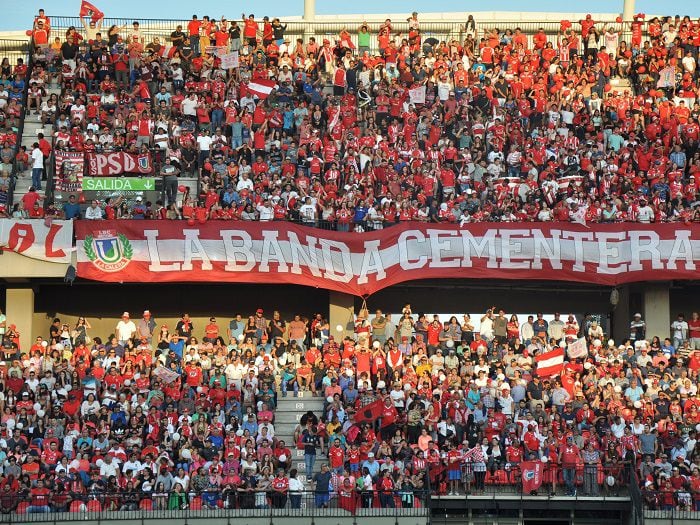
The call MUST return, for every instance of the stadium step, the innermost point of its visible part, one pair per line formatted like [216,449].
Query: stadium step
[620,85]
[287,416]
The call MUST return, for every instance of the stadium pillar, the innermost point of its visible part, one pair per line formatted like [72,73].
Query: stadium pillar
[309,17]
[628,10]
[309,10]
[19,303]
[657,309]
[341,314]
[621,315]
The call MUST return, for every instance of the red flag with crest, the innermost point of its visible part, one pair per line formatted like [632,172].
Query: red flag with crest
[532,476]
[87,9]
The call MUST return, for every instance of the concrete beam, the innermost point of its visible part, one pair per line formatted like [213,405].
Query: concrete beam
[657,309]
[19,303]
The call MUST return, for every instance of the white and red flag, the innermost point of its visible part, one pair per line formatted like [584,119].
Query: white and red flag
[262,88]
[550,363]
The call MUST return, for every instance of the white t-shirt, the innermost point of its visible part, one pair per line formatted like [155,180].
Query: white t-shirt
[189,106]
[125,330]
[37,159]
[204,142]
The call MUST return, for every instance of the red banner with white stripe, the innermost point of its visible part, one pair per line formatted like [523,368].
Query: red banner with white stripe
[550,363]
[261,87]
[361,264]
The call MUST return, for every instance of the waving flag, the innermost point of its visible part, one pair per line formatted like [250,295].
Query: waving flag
[577,349]
[262,88]
[575,181]
[167,51]
[550,363]
[416,95]
[371,412]
[532,476]
[87,9]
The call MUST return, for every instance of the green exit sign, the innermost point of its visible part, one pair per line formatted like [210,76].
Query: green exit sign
[119,184]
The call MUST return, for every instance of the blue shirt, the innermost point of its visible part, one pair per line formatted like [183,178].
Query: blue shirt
[372,467]
[177,347]
[71,210]
[360,213]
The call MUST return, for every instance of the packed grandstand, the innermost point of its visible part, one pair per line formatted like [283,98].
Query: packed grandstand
[359,133]
[336,133]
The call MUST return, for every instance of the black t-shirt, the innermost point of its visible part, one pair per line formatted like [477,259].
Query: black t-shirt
[322,480]
[186,51]
[69,51]
[535,390]
[310,443]
[177,38]
[276,329]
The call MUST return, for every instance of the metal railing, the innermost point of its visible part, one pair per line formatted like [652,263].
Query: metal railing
[219,503]
[675,505]
[442,30]
[21,49]
[14,49]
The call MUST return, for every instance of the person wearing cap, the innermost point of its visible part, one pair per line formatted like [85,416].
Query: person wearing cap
[638,328]
[146,326]
[125,329]
[138,209]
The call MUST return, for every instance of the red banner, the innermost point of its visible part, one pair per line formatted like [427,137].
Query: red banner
[361,264]
[532,476]
[111,164]
[50,241]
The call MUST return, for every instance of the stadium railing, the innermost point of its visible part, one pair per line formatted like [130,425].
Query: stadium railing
[123,506]
[438,29]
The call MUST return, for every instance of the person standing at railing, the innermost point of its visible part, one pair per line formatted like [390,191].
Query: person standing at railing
[39,498]
[91,28]
[591,458]
[569,456]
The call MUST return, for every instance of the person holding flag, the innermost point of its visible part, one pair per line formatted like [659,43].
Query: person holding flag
[94,26]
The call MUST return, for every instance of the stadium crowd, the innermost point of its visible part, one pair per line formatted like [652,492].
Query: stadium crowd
[156,416]
[153,416]
[345,134]
[12,86]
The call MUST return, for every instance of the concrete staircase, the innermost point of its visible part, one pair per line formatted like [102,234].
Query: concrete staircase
[287,415]
[32,126]
[620,85]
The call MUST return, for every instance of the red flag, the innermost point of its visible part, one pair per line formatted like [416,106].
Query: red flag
[532,475]
[261,87]
[87,9]
[370,412]
[550,363]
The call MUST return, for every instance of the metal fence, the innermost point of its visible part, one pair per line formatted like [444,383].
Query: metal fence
[442,30]
[14,49]
[218,504]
